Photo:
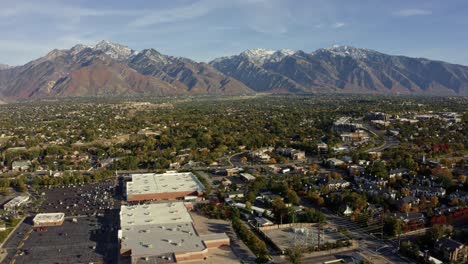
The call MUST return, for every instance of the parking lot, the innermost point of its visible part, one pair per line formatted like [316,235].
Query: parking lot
[80,200]
[86,240]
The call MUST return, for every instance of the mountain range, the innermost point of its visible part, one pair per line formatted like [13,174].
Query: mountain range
[111,69]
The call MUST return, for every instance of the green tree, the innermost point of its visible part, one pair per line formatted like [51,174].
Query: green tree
[295,254]
[392,226]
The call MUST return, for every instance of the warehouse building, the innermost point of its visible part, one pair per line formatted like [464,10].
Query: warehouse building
[15,202]
[163,233]
[166,186]
[48,219]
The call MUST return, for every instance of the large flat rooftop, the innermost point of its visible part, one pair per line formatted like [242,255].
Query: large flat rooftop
[154,214]
[158,229]
[169,182]
[49,217]
[151,240]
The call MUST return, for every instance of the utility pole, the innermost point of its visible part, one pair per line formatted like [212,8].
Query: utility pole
[399,240]
[318,236]
[381,225]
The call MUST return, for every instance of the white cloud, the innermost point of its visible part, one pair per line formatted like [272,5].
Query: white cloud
[412,12]
[195,10]
[338,25]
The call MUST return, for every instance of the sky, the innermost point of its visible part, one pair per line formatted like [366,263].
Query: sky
[206,29]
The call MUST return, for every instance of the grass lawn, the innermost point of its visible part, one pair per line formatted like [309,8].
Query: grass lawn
[10,225]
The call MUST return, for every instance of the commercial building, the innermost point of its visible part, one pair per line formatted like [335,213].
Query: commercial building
[15,202]
[166,186]
[291,153]
[48,219]
[163,232]
[345,124]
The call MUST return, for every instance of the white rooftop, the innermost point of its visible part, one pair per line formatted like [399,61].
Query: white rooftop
[154,240]
[158,229]
[48,217]
[18,200]
[248,176]
[157,214]
[150,183]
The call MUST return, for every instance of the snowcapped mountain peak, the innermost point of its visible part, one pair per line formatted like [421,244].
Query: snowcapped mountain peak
[261,56]
[4,66]
[114,50]
[155,56]
[345,51]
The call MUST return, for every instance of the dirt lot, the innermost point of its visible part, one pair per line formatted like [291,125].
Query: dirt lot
[235,253]
[204,225]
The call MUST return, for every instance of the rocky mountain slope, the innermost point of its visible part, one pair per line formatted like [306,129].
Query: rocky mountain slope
[344,69]
[4,66]
[110,69]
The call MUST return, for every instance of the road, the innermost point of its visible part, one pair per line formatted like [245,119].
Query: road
[378,250]
[320,259]
[388,141]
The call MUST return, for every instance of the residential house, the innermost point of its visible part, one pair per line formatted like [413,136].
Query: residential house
[411,217]
[334,162]
[337,184]
[20,165]
[262,221]
[410,200]
[452,250]
[356,170]
[400,172]
[247,177]
[233,171]
[236,194]
[322,148]
[347,159]
[226,182]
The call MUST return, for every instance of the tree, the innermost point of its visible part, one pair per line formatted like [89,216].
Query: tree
[434,201]
[405,208]
[244,159]
[295,254]
[438,231]
[279,209]
[392,226]
[315,198]
[293,198]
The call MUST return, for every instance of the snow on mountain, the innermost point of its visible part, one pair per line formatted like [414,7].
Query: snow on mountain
[114,50]
[345,50]
[261,56]
[4,66]
[156,56]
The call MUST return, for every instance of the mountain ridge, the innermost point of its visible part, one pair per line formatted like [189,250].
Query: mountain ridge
[347,69]
[112,69]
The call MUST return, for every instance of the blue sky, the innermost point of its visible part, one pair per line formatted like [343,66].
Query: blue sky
[206,29]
